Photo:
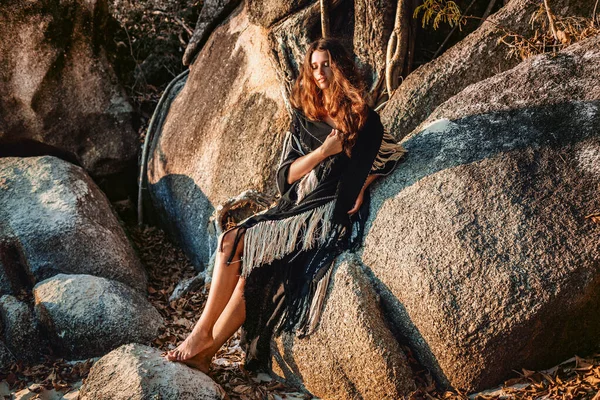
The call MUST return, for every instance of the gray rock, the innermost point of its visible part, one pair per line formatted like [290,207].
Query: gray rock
[479,241]
[58,88]
[477,57]
[86,316]
[56,220]
[137,372]
[352,354]
[6,357]
[188,285]
[12,274]
[21,330]
[213,148]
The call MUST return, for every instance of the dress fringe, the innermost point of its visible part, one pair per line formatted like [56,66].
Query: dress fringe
[307,184]
[389,151]
[317,303]
[272,240]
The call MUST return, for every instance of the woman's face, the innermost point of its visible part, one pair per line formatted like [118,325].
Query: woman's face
[319,62]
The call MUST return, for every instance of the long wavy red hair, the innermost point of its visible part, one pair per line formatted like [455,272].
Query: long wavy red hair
[345,102]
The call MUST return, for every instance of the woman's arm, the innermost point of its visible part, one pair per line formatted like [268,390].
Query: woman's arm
[361,195]
[370,180]
[303,165]
[389,154]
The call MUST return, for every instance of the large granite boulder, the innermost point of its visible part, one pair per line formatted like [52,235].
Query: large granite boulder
[222,136]
[137,372]
[54,219]
[357,355]
[479,242]
[477,57]
[87,316]
[56,85]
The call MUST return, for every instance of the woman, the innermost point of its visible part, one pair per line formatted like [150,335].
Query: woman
[272,270]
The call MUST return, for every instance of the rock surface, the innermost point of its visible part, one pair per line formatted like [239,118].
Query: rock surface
[137,372]
[542,81]
[212,13]
[479,241]
[21,330]
[475,58]
[6,357]
[268,12]
[56,85]
[86,316]
[214,147]
[358,357]
[54,219]
[186,286]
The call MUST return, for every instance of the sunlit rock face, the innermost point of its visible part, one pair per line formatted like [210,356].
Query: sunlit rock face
[477,57]
[57,87]
[223,134]
[352,354]
[479,241]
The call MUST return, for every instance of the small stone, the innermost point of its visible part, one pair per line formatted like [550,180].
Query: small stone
[123,374]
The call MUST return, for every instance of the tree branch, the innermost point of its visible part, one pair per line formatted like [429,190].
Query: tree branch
[551,21]
[324,19]
[396,51]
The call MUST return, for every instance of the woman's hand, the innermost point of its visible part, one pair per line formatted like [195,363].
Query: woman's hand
[303,165]
[332,144]
[358,202]
[361,195]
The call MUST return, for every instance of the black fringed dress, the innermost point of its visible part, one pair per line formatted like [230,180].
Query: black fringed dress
[289,249]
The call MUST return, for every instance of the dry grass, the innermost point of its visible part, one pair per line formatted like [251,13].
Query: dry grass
[569,30]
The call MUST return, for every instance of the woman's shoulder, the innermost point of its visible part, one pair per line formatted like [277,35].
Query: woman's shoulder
[373,120]
[298,115]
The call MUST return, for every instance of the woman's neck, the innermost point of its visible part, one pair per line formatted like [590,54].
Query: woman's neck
[327,118]
[330,121]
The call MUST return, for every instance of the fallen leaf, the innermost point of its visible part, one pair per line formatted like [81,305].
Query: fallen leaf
[527,373]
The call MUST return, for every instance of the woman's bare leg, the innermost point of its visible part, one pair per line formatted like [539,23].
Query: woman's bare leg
[225,279]
[232,317]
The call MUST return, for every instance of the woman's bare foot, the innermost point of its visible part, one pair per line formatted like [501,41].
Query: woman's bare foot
[194,344]
[199,362]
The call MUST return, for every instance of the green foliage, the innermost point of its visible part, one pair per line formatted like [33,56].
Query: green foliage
[441,11]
